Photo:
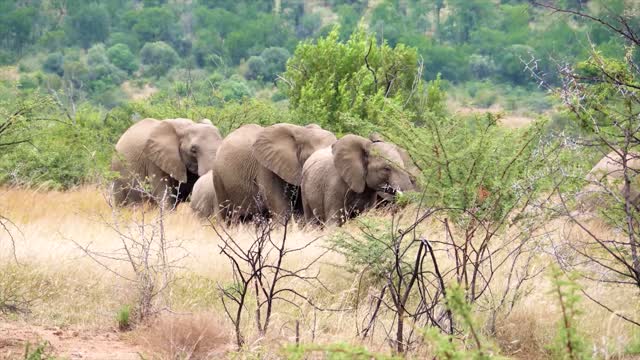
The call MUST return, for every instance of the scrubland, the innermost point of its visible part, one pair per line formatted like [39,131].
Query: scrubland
[64,289]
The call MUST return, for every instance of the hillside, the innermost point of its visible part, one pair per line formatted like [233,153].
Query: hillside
[86,50]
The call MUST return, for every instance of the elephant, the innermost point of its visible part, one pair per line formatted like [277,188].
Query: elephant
[608,175]
[168,154]
[203,197]
[258,170]
[384,199]
[341,181]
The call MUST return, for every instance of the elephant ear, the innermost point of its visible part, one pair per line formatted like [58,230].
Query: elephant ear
[277,150]
[350,158]
[163,148]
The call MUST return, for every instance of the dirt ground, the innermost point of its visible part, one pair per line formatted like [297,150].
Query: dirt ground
[65,343]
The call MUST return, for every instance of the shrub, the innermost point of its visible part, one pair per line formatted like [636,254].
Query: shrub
[53,63]
[481,66]
[350,86]
[62,154]
[201,336]
[275,59]
[42,351]
[257,68]
[158,58]
[121,56]
[233,89]
[123,318]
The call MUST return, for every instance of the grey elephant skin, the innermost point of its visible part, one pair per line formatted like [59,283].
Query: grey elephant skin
[608,174]
[258,170]
[203,198]
[167,155]
[385,199]
[341,181]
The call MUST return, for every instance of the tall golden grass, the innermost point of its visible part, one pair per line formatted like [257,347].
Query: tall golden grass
[72,290]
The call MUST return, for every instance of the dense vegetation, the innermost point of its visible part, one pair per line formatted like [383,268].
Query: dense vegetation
[77,73]
[95,61]
[234,49]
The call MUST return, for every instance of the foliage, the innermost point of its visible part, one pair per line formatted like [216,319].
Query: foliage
[568,343]
[448,346]
[345,86]
[41,351]
[123,318]
[89,24]
[62,154]
[460,40]
[157,58]
[121,56]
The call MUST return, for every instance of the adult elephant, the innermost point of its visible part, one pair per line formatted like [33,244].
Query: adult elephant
[203,198]
[384,199]
[343,180]
[168,155]
[258,170]
[606,178]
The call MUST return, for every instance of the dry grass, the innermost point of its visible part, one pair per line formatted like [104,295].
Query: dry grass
[80,294]
[190,336]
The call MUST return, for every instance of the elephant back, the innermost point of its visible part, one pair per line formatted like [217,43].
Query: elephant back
[235,168]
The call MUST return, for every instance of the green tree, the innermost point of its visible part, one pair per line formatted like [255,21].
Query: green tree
[344,86]
[54,63]
[275,60]
[157,58]
[19,25]
[257,68]
[90,24]
[155,24]
[121,56]
[466,16]
[102,74]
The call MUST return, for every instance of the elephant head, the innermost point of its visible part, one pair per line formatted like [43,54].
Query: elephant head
[606,178]
[180,145]
[365,164]
[284,148]
[409,165]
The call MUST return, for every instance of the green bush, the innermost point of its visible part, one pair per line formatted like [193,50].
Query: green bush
[157,58]
[53,63]
[257,68]
[121,56]
[61,154]
[348,87]
[123,318]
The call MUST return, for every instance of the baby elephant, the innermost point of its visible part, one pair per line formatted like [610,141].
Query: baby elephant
[340,181]
[203,198]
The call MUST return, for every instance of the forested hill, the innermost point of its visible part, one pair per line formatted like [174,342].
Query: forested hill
[108,52]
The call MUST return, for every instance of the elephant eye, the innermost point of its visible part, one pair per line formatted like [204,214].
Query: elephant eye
[194,149]
[387,168]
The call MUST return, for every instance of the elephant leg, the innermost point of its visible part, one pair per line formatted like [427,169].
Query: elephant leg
[334,211]
[223,209]
[273,195]
[310,214]
[161,190]
[119,192]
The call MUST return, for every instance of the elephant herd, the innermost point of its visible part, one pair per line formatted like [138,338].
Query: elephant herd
[277,171]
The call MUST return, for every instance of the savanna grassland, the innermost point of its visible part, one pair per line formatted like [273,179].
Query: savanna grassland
[74,301]
[521,242]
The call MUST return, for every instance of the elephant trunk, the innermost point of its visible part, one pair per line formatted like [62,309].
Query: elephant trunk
[205,163]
